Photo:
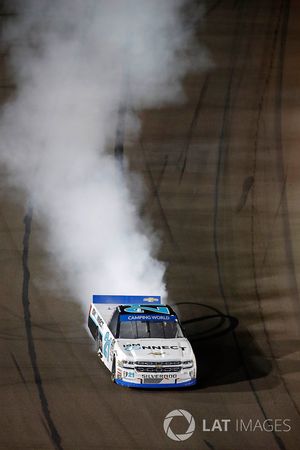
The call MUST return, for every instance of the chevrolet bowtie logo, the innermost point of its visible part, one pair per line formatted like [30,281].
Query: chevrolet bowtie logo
[157,353]
[150,300]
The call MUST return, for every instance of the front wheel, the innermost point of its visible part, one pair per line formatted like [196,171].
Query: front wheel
[113,370]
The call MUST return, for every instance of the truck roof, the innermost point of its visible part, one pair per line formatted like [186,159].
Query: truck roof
[137,312]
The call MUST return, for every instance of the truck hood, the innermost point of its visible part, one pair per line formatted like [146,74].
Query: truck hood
[154,349]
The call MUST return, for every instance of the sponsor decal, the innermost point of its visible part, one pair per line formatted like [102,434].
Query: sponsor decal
[112,346]
[147,317]
[98,318]
[130,347]
[100,321]
[167,376]
[106,345]
[127,374]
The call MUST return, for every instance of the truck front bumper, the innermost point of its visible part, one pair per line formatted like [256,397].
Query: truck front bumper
[156,385]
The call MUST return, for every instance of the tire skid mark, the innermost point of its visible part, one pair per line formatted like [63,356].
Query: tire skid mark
[46,428]
[85,374]
[155,191]
[209,444]
[55,437]
[220,163]
[155,186]
[193,124]
[247,186]
[212,8]
[283,192]
[18,368]
[119,137]
[274,221]
[280,157]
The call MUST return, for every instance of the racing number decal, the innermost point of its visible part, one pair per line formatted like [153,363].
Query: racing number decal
[106,345]
[142,309]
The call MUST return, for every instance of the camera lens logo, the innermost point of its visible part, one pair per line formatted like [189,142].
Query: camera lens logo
[179,413]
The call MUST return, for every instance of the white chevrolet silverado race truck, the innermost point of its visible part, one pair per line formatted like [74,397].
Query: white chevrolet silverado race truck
[141,342]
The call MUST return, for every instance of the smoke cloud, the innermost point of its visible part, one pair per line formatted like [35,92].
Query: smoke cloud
[75,63]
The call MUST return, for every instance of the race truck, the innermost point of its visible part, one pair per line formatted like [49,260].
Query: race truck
[141,342]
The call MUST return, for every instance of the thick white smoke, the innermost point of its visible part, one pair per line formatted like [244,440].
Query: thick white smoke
[75,62]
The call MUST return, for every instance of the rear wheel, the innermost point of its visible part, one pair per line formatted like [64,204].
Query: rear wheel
[99,344]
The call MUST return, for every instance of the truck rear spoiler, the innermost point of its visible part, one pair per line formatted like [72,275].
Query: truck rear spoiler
[127,299]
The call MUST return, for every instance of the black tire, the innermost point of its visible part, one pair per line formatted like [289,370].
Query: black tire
[99,344]
[113,370]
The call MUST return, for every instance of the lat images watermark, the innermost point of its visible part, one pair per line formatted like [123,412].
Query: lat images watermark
[277,425]
[179,413]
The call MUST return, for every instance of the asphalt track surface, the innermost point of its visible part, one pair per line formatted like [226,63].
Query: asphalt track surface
[222,174]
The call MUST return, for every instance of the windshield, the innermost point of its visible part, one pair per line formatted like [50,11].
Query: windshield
[140,329]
